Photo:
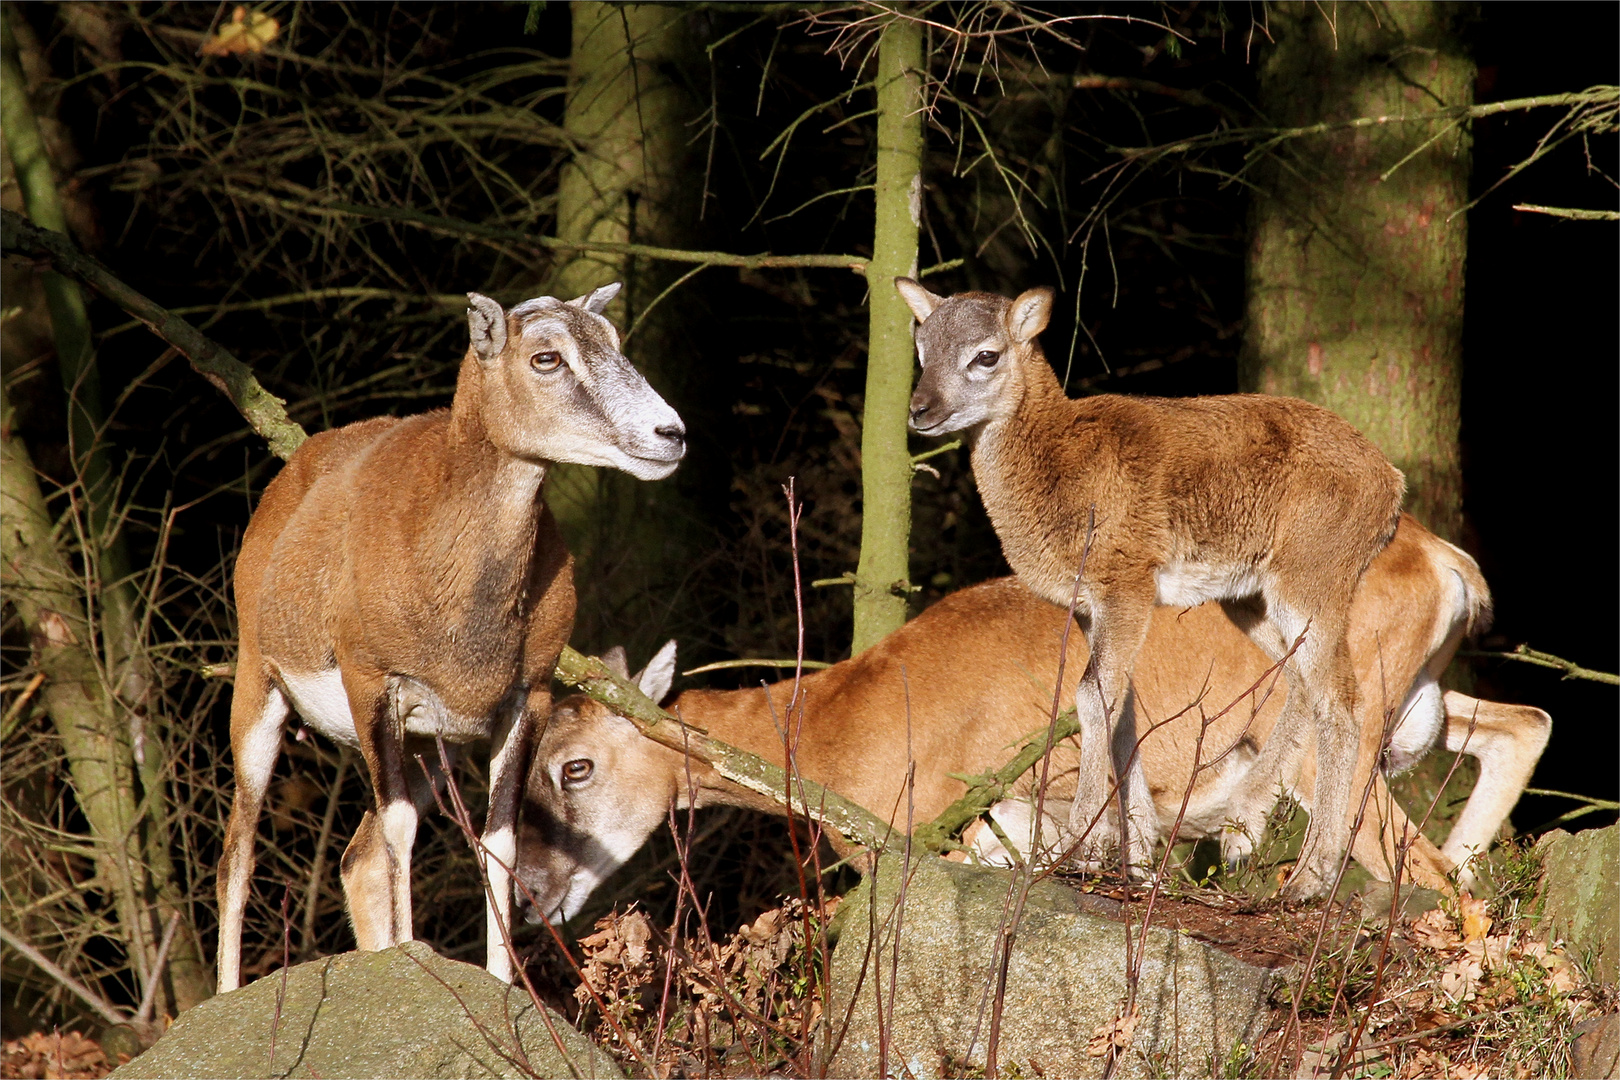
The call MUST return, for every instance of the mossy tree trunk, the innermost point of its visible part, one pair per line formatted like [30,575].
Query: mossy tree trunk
[882,579]
[629,181]
[106,731]
[1355,273]
[1356,253]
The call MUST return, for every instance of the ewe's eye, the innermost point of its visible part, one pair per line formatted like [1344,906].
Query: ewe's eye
[577,771]
[546,362]
[987,358]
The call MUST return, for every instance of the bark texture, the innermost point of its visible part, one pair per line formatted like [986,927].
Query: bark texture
[882,578]
[1355,273]
[627,183]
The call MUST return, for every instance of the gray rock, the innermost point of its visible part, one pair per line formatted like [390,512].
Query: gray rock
[1066,979]
[1375,901]
[403,1012]
[1595,1051]
[1580,895]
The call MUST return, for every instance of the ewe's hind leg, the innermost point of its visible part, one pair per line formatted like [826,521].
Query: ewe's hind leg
[1508,741]
[258,712]
[1119,625]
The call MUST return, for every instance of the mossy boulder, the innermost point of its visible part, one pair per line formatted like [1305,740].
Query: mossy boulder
[1580,895]
[1065,981]
[404,1012]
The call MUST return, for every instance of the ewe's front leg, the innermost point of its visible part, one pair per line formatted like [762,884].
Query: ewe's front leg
[1119,625]
[509,753]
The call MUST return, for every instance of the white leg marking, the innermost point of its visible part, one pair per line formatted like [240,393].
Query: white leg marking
[399,832]
[255,760]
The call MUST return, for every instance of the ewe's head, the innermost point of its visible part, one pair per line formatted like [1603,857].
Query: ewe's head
[557,388]
[596,790]
[971,347]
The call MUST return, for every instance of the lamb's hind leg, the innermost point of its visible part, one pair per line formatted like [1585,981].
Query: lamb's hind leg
[1119,625]
[1283,752]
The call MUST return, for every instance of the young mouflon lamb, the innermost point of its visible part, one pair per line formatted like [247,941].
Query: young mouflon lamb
[1271,506]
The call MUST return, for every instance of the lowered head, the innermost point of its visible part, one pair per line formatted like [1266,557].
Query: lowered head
[971,347]
[596,790]
[555,387]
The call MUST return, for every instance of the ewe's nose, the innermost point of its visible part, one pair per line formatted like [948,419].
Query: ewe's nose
[675,433]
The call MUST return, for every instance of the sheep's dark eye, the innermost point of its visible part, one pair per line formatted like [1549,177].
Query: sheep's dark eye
[546,362]
[987,358]
[578,771]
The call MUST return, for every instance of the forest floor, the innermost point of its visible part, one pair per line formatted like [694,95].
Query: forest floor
[1460,991]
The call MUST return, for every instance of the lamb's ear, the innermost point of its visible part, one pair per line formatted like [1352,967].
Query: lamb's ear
[486,325]
[921,302]
[1029,314]
[597,300]
[617,662]
[659,675]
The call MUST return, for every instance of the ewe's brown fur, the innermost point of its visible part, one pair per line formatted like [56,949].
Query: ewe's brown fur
[403,580]
[1272,506]
[975,673]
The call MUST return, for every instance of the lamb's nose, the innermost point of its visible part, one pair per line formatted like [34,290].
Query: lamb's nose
[917,413]
[673,432]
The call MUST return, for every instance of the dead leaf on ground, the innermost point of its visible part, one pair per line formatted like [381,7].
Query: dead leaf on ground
[1475,922]
[1114,1034]
[247,32]
[52,1056]
[1459,980]
[1434,930]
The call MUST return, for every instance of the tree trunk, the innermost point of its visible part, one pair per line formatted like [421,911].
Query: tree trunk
[627,182]
[42,585]
[109,742]
[1355,273]
[882,579]
[1356,245]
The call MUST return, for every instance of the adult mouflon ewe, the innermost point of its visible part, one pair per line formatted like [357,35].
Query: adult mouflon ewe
[403,581]
[1271,506]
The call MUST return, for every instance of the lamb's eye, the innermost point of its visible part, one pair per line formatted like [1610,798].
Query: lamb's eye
[546,362]
[577,771]
[987,358]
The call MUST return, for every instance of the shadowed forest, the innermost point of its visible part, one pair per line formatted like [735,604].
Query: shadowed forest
[1404,214]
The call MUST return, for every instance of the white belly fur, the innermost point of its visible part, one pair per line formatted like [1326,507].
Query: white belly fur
[1188,584]
[320,699]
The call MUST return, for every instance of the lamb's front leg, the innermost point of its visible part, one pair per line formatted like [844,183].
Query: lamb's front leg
[509,753]
[1119,625]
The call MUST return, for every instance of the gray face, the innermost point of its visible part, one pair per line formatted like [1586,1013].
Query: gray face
[962,347]
[557,388]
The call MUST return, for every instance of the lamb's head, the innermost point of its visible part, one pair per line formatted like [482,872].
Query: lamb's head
[972,348]
[555,387]
[596,790]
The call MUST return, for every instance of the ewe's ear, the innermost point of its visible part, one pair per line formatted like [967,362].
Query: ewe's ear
[921,302]
[616,662]
[1029,314]
[486,325]
[659,675]
[597,301]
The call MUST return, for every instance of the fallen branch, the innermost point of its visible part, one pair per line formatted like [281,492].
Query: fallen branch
[262,409]
[1569,212]
[1570,669]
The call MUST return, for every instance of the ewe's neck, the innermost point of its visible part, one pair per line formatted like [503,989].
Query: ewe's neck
[498,493]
